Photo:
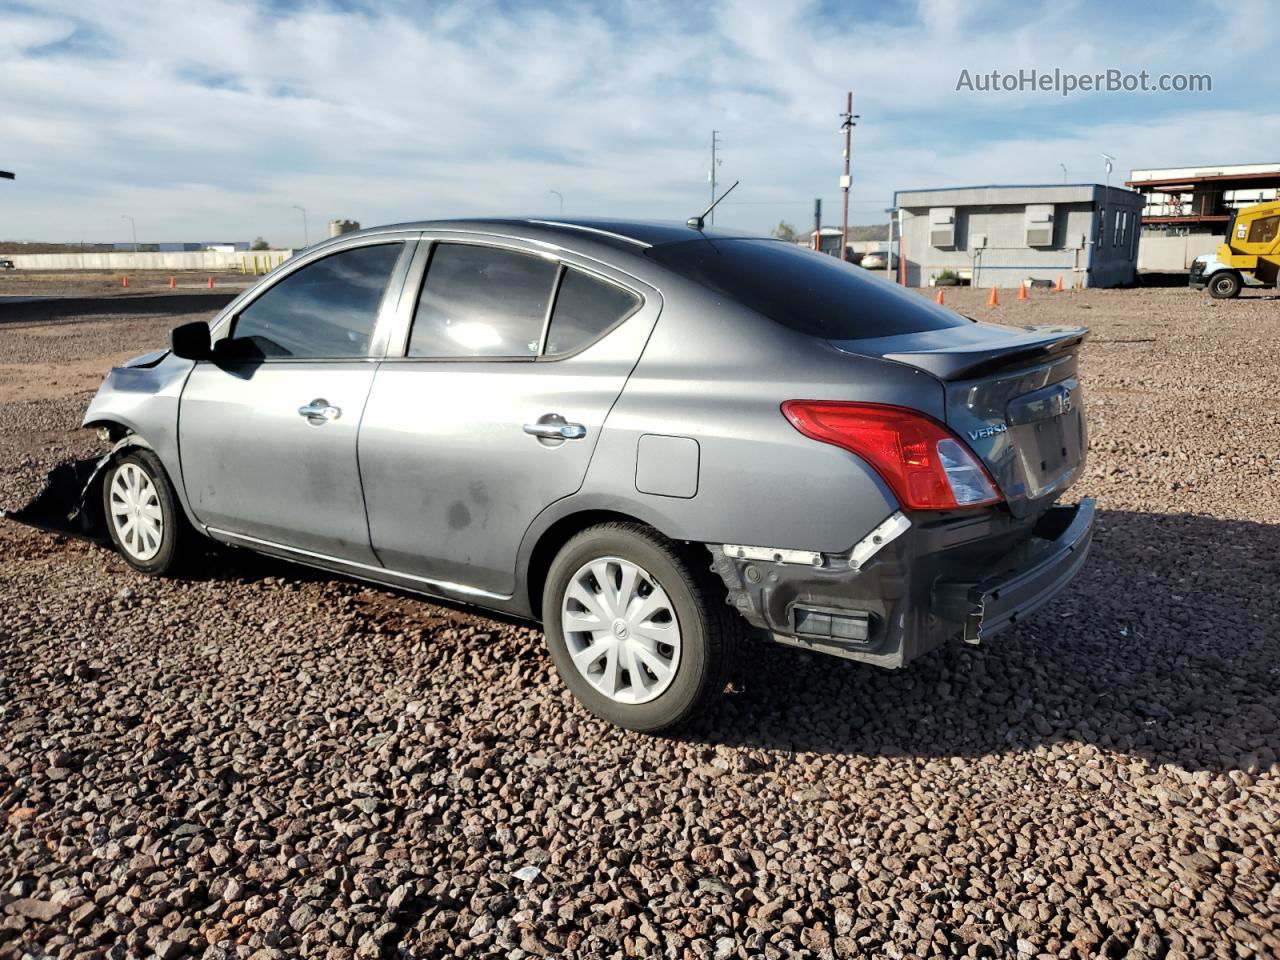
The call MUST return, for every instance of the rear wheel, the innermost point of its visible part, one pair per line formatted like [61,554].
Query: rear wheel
[636,634]
[142,513]
[1224,285]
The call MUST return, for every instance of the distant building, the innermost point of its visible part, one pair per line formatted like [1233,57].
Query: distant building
[181,246]
[1202,199]
[1186,209]
[1003,235]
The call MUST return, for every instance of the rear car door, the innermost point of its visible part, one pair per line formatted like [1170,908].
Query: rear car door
[492,408]
[267,429]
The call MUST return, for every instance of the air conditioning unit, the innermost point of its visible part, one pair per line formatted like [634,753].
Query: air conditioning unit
[942,227]
[1039,224]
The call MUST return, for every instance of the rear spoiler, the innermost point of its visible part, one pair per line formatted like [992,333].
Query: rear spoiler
[984,355]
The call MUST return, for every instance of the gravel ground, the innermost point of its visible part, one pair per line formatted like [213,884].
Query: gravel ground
[262,761]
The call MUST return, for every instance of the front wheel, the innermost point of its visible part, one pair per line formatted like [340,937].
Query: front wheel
[636,634]
[142,513]
[1225,285]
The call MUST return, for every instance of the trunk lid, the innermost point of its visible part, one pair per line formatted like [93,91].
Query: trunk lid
[1012,394]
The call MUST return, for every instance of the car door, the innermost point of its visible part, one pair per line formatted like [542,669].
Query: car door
[267,429]
[492,409]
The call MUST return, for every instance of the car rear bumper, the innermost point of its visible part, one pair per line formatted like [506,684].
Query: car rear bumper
[960,578]
[987,606]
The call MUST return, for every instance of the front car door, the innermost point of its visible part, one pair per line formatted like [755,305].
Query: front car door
[267,429]
[489,409]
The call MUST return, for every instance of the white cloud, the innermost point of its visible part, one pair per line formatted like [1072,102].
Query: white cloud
[208,120]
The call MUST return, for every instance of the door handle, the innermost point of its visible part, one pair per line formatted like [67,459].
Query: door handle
[319,411]
[556,430]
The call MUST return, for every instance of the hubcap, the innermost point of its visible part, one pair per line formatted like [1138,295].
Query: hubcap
[136,513]
[621,630]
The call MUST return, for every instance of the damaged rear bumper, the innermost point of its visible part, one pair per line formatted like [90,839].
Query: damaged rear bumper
[1058,551]
[962,577]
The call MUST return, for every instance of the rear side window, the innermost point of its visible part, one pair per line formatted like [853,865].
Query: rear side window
[325,310]
[804,290]
[481,301]
[585,308]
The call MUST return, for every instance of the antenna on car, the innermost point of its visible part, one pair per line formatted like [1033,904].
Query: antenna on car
[700,220]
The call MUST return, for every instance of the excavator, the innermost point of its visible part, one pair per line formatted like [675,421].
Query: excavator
[1250,256]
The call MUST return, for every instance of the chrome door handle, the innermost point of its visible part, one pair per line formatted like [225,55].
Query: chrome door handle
[319,411]
[556,431]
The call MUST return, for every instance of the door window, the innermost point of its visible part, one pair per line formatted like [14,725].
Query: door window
[325,310]
[585,308]
[1264,230]
[480,301]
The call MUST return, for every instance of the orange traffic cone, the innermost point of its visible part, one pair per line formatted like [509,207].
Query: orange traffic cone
[172,283]
[211,283]
[1022,290]
[994,299]
[124,281]
[1058,288]
[940,301]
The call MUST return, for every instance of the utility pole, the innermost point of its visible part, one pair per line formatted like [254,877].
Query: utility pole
[306,240]
[133,223]
[1106,196]
[715,142]
[847,123]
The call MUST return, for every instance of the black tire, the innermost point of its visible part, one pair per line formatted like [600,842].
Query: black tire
[175,533]
[709,629]
[1225,285]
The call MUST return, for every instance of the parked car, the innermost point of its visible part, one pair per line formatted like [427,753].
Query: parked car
[657,441]
[877,260]
[6,264]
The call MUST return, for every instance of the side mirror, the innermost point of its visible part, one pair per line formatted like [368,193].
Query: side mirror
[191,341]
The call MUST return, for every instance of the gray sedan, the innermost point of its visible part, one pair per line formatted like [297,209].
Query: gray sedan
[655,439]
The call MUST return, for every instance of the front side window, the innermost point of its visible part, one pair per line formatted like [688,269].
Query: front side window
[1264,230]
[325,310]
[480,301]
[585,308]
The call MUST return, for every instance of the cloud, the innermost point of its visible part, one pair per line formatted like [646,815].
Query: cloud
[211,119]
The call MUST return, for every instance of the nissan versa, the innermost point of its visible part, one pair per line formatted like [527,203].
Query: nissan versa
[653,438]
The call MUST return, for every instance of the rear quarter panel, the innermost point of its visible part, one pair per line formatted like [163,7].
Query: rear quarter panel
[718,373]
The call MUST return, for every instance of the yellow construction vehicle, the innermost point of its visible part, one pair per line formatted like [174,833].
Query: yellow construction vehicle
[1251,254]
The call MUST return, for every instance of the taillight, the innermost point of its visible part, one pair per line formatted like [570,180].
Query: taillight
[923,462]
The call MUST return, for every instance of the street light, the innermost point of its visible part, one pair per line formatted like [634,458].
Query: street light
[561,198]
[306,241]
[1107,159]
[1064,172]
[132,223]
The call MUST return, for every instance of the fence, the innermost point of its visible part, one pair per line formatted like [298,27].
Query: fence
[241,261]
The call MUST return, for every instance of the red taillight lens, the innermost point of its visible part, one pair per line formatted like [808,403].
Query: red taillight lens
[923,462]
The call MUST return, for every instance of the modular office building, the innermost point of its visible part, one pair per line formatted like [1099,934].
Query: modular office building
[1005,236]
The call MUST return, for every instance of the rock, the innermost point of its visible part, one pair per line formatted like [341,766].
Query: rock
[33,909]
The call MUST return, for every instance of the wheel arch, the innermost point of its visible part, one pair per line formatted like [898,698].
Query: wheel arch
[554,532]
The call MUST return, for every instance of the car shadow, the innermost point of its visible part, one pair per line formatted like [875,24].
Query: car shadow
[1165,647]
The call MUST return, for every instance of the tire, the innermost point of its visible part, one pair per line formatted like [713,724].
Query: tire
[1225,285]
[663,591]
[135,487]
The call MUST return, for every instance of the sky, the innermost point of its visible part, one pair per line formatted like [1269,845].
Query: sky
[217,119]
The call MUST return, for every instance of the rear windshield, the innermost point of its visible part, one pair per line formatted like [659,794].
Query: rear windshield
[804,290]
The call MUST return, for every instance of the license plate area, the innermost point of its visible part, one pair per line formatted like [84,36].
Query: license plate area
[1047,428]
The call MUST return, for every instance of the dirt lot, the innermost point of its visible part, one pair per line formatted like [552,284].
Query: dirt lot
[261,761]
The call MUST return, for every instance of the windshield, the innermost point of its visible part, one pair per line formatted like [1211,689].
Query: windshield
[807,291]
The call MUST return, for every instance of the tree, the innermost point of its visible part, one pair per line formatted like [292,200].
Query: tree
[785,231]
[259,244]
